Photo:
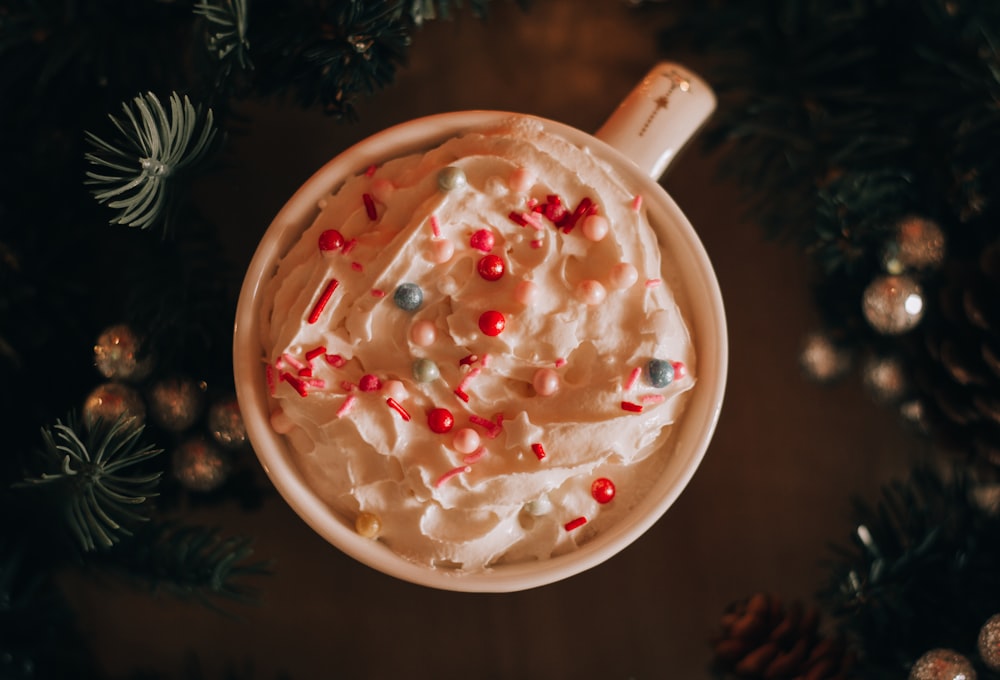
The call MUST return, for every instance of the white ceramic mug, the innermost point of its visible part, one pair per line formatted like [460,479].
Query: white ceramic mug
[639,140]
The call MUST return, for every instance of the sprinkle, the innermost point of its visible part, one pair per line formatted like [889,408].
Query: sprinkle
[349,246]
[435,226]
[532,203]
[451,473]
[357,266]
[467,379]
[295,363]
[555,210]
[538,450]
[347,386]
[269,372]
[468,360]
[560,362]
[630,406]
[318,383]
[537,243]
[394,405]
[370,383]
[575,523]
[474,456]
[532,219]
[633,378]
[652,398]
[637,202]
[518,218]
[323,299]
[585,207]
[481,422]
[461,394]
[305,372]
[335,360]
[370,206]
[378,293]
[653,283]
[315,352]
[486,360]
[346,406]
[296,384]
[371,170]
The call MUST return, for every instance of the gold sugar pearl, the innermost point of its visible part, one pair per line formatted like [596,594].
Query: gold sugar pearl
[368,524]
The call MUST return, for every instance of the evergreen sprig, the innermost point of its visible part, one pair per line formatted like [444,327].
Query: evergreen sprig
[922,572]
[98,479]
[227,34]
[137,174]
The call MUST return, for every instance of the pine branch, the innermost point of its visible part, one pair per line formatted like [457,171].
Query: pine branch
[96,479]
[137,173]
[226,36]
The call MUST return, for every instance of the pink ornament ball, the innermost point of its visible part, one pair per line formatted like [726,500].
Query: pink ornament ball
[466,440]
[623,275]
[595,227]
[546,382]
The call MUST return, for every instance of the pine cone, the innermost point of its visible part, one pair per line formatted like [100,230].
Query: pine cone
[762,640]
[958,374]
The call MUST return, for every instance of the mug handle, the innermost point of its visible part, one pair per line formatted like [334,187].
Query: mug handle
[659,116]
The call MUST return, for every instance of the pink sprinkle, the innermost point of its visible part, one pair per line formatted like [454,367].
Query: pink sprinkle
[336,360]
[486,360]
[370,171]
[651,398]
[474,456]
[560,362]
[629,406]
[296,384]
[318,383]
[315,352]
[532,203]
[279,363]
[269,372]
[349,246]
[653,283]
[538,450]
[637,202]
[468,360]
[346,406]
[481,422]
[370,206]
[324,297]
[461,394]
[435,226]
[347,386]
[378,293]
[633,377]
[451,473]
[468,378]
[537,243]
[575,523]
[394,405]
[533,219]
[295,363]
[357,266]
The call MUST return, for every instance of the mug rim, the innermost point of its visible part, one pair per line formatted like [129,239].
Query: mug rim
[696,424]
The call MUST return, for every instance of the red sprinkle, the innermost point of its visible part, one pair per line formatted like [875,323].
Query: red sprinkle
[603,490]
[538,450]
[560,362]
[295,363]
[461,394]
[537,243]
[490,267]
[269,373]
[440,420]
[481,422]
[468,360]
[370,206]
[331,239]
[575,523]
[370,383]
[349,246]
[680,370]
[315,352]
[629,406]
[305,372]
[435,226]
[555,210]
[296,384]
[335,360]
[371,170]
[584,208]
[327,293]
[653,283]
[637,202]
[378,293]
[347,386]
[518,218]
[357,266]
[394,405]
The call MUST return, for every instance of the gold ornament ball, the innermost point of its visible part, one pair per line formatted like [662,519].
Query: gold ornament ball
[199,466]
[822,360]
[110,401]
[989,643]
[893,304]
[118,355]
[176,403]
[368,524]
[225,422]
[919,244]
[942,664]
[884,379]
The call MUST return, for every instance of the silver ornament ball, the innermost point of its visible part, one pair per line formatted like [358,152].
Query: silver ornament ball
[225,422]
[199,466]
[989,643]
[884,379]
[893,304]
[110,401]
[119,355]
[822,360]
[942,664]
[176,403]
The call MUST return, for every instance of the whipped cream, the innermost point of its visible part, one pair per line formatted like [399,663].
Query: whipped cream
[471,351]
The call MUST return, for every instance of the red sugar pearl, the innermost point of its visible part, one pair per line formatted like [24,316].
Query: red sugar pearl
[603,490]
[331,239]
[483,240]
[370,383]
[440,420]
[492,323]
[491,267]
